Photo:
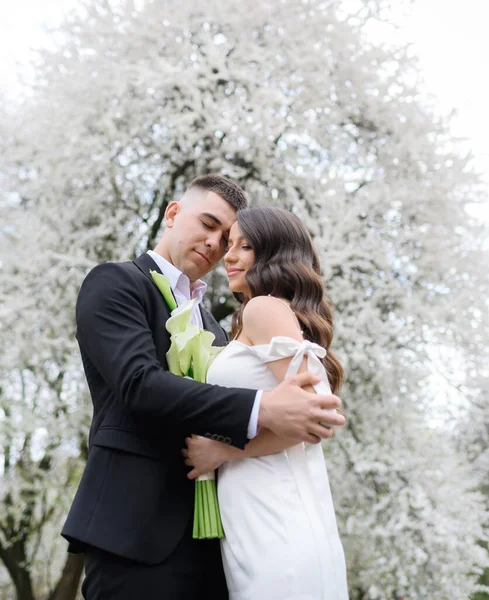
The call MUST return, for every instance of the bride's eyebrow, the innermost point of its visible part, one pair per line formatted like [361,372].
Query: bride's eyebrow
[238,239]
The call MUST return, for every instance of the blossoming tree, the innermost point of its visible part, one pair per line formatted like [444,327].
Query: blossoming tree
[293,101]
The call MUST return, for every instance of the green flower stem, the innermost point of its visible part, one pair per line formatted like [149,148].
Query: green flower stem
[198,517]
[207,519]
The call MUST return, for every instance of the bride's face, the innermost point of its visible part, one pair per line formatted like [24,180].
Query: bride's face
[238,259]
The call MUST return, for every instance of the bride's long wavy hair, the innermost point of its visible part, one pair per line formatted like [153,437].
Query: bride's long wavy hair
[287,266]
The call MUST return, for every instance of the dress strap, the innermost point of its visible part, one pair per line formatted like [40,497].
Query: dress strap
[286,347]
[288,306]
[282,301]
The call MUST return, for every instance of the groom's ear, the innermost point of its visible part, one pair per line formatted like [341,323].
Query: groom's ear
[171,212]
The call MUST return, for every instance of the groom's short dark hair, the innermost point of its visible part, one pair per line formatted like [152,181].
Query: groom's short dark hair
[222,186]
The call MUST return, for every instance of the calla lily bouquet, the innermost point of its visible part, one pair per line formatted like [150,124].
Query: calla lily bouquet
[190,355]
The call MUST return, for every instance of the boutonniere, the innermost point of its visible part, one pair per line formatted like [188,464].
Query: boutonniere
[163,284]
[190,355]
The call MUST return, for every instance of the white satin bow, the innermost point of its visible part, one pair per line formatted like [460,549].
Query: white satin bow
[283,347]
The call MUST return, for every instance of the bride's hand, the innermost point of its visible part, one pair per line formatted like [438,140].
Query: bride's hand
[205,455]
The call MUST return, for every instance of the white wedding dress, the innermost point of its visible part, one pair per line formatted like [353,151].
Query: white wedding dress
[281,540]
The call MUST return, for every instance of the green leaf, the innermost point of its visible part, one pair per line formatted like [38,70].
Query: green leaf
[163,284]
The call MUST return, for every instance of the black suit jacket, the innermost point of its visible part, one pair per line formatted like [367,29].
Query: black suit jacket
[134,498]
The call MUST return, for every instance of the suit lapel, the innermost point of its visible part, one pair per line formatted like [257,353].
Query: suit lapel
[146,264]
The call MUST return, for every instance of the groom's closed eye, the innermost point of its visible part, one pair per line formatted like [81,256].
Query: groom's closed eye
[212,227]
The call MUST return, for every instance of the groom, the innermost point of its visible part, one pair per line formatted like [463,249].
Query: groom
[132,513]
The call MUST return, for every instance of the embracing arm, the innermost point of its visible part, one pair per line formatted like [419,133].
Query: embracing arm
[205,455]
[266,442]
[114,334]
[264,318]
[115,337]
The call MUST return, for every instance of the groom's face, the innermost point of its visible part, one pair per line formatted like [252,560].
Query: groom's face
[197,232]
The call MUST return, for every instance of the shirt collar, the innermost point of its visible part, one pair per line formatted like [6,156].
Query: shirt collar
[178,280]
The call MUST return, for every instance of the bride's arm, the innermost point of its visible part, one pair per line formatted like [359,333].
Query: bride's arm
[266,442]
[264,317]
[205,455]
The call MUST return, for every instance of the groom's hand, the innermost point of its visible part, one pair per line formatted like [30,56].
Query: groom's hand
[291,412]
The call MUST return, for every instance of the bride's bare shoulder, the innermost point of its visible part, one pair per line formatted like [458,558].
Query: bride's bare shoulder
[266,316]
[260,305]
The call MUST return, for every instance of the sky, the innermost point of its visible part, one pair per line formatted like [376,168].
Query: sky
[451,40]
[449,37]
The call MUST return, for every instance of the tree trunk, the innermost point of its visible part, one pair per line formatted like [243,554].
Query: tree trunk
[67,586]
[23,585]
[14,560]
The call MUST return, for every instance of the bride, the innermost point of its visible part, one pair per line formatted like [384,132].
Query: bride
[281,540]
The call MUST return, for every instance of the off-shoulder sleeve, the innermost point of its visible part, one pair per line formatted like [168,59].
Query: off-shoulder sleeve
[284,347]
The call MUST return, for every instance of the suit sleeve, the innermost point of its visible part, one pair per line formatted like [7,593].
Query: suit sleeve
[113,331]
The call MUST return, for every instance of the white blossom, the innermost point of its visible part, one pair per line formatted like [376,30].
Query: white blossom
[292,100]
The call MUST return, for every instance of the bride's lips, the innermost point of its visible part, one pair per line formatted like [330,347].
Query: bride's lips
[232,272]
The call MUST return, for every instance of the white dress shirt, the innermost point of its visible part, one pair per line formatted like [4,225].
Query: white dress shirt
[183,290]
